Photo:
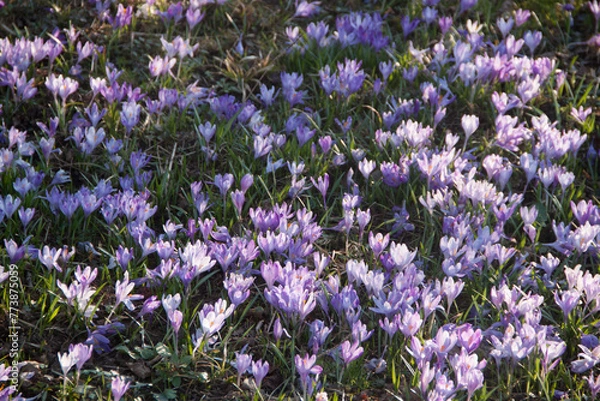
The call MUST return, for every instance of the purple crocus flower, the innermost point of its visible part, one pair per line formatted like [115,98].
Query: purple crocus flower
[268,95]
[174,12]
[161,66]
[150,305]
[393,174]
[363,217]
[194,16]
[242,364]
[82,353]
[350,351]
[259,371]
[92,138]
[238,288]
[445,340]
[318,335]
[118,387]
[567,301]
[401,256]
[25,89]
[238,198]
[594,7]
[305,366]
[468,371]
[594,384]
[366,167]
[445,24]
[271,272]
[26,215]
[49,257]
[409,25]
[207,130]
[307,9]
[378,242]
[122,18]
[60,86]
[246,182]
[14,251]
[466,5]
[322,184]
[468,338]
[304,134]
[175,318]
[521,16]
[587,359]
[289,83]
[278,329]
[130,115]
[410,323]
[223,182]
[122,293]
[212,318]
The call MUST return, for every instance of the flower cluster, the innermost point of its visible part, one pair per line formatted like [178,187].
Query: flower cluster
[220,231]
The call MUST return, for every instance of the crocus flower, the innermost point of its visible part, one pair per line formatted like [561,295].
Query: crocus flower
[521,16]
[445,24]
[150,305]
[82,353]
[49,257]
[246,182]
[410,323]
[505,25]
[268,95]
[594,7]
[60,86]
[594,383]
[587,359]
[307,9]
[118,387]
[322,184]
[67,360]
[238,288]
[207,130]
[161,66]
[429,15]
[175,318]
[409,25]
[259,371]
[122,18]
[130,115]
[25,89]
[468,338]
[470,124]
[532,40]
[223,182]
[212,318]
[170,302]
[401,256]
[194,16]
[174,12]
[305,366]
[122,293]
[350,351]
[26,215]
[3,275]
[393,174]
[567,301]
[467,5]
[242,364]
